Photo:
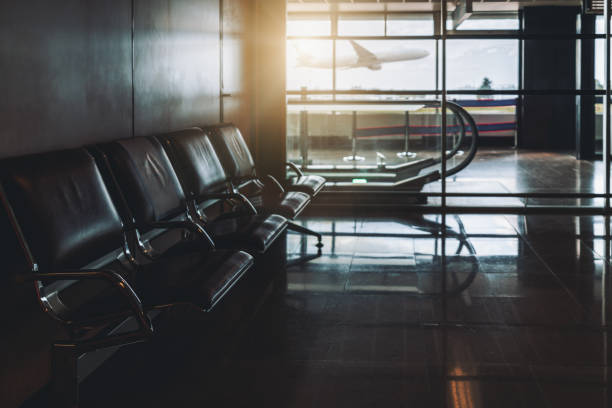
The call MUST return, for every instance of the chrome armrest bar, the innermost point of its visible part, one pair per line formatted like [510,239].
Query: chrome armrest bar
[116,281]
[230,195]
[295,168]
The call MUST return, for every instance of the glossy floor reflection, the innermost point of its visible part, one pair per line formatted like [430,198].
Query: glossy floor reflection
[514,315]
[507,170]
[502,170]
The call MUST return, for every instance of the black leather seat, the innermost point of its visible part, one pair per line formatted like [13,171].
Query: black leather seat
[203,178]
[268,194]
[70,221]
[154,194]
[82,264]
[193,277]
[66,216]
[242,163]
[310,184]
[239,165]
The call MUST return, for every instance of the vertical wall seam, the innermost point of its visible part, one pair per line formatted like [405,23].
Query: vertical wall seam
[221,86]
[132,68]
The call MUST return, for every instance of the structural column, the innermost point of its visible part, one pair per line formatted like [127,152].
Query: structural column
[270,112]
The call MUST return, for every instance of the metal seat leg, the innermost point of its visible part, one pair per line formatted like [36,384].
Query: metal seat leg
[303,230]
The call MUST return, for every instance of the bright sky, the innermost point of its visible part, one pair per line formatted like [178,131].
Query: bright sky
[468,61]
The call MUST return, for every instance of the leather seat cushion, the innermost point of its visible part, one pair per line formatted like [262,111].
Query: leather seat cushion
[292,204]
[310,184]
[193,155]
[249,232]
[146,178]
[202,279]
[232,151]
[63,207]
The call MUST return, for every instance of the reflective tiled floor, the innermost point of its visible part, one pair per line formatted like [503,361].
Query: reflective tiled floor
[505,170]
[513,315]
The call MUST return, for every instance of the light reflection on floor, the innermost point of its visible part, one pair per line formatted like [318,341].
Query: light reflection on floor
[518,317]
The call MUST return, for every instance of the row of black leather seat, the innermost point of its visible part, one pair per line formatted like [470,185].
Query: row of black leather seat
[126,223]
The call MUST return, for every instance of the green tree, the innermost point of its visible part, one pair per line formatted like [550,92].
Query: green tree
[486,84]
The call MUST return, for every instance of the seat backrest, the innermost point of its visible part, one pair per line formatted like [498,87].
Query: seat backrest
[233,152]
[197,164]
[146,179]
[63,208]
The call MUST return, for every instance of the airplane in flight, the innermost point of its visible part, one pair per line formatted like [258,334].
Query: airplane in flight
[363,58]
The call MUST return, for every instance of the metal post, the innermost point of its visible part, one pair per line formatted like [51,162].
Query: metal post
[406,154]
[353,157]
[443,12]
[304,138]
[604,303]
[437,66]
[519,100]
[334,33]
[606,118]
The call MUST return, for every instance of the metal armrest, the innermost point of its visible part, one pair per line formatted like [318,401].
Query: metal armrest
[274,184]
[231,195]
[188,225]
[295,168]
[113,278]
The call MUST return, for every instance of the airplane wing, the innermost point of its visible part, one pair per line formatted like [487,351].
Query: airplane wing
[365,56]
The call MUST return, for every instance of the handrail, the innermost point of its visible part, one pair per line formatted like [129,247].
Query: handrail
[474,143]
[459,111]
[463,115]
[465,119]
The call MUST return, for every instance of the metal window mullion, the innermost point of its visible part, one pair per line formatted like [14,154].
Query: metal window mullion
[517,36]
[606,118]
[519,107]
[479,195]
[437,66]
[334,35]
[443,95]
[570,92]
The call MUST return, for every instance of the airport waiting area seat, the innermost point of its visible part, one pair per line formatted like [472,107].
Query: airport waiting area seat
[144,170]
[267,193]
[203,179]
[114,234]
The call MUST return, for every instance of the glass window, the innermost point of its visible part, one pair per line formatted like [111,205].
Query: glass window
[599,25]
[600,58]
[309,64]
[385,64]
[361,24]
[410,24]
[495,115]
[308,25]
[482,64]
[489,22]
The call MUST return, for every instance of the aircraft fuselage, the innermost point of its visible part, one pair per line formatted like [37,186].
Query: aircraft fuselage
[371,61]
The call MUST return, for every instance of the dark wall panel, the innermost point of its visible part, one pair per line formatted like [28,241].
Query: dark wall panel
[71,74]
[176,64]
[237,70]
[65,73]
